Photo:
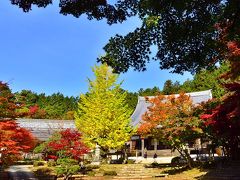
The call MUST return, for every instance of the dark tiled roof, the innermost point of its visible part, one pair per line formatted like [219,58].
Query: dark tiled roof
[141,108]
[44,128]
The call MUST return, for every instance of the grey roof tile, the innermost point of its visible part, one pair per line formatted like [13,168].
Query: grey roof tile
[142,105]
[42,129]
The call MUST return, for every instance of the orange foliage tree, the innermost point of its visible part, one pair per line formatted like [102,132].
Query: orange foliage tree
[13,139]
[171,119]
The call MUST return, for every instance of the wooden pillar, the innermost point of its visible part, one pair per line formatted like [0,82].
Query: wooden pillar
[198,143]
[155,145]
[142,149]
[130,146]
[198,146]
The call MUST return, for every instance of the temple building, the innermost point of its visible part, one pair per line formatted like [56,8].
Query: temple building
[140,145]
[42,129]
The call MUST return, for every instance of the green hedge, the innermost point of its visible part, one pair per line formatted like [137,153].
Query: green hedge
[109,173]
[38,163]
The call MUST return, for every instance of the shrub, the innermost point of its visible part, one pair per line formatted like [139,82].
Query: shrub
[109,173]
[130,161]
[117,161]
[67,167]
[91,167]
[51,163]
[52,157]
[88,169]
[209,164]
[178,161]
[38,163]
[43,171]
[155,164]
[91,173]
[120,160]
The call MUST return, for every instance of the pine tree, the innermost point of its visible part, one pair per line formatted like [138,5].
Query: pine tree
[103,115]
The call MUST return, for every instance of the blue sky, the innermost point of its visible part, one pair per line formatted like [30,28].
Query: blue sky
[44,51]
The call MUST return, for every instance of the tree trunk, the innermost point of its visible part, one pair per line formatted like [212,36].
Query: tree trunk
[67,176]
[188,158]
[184,153]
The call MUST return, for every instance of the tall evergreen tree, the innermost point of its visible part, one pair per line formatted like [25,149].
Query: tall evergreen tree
[149,91]
[207,79]
[103,115]
[170,87]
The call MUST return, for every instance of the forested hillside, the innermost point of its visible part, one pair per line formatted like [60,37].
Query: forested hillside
[58,106]
[42,106]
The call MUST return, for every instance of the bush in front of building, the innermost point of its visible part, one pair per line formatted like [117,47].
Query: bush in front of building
[39,163]
[109,173]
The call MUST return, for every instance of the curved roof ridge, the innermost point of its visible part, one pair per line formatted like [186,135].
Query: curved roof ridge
[142,105]
[195,93]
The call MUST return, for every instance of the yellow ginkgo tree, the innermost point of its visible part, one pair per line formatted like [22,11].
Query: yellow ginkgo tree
[103,116]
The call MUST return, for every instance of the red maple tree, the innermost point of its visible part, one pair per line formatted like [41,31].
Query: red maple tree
[13,139]
[69,144]
[36,112]
[225,120]
[229,39]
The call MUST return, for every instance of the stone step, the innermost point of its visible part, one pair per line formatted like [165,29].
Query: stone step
[126,174]
[136,172]
[133,177]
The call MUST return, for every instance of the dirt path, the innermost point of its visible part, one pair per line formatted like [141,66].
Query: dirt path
[20,172]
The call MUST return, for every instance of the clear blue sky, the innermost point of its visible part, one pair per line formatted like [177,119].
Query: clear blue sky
[44,51]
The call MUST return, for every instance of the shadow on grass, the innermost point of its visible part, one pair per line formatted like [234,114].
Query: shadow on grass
[223,169]
[176,170]
[3,174]
[157,165]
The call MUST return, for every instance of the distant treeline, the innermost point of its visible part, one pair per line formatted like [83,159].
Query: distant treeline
[58,106]
[204,80]
[42,106]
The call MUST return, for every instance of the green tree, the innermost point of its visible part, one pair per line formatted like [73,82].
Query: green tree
[103,115]
[55,106]
[67,167]
[98,9]
[207,79]
[171,88]
[187,34]
[149,91]
[187,86]
[131,99]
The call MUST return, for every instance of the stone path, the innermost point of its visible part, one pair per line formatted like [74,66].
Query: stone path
[137,171]
[20,172]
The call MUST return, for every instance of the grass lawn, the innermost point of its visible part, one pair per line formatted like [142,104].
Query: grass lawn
[175,174]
